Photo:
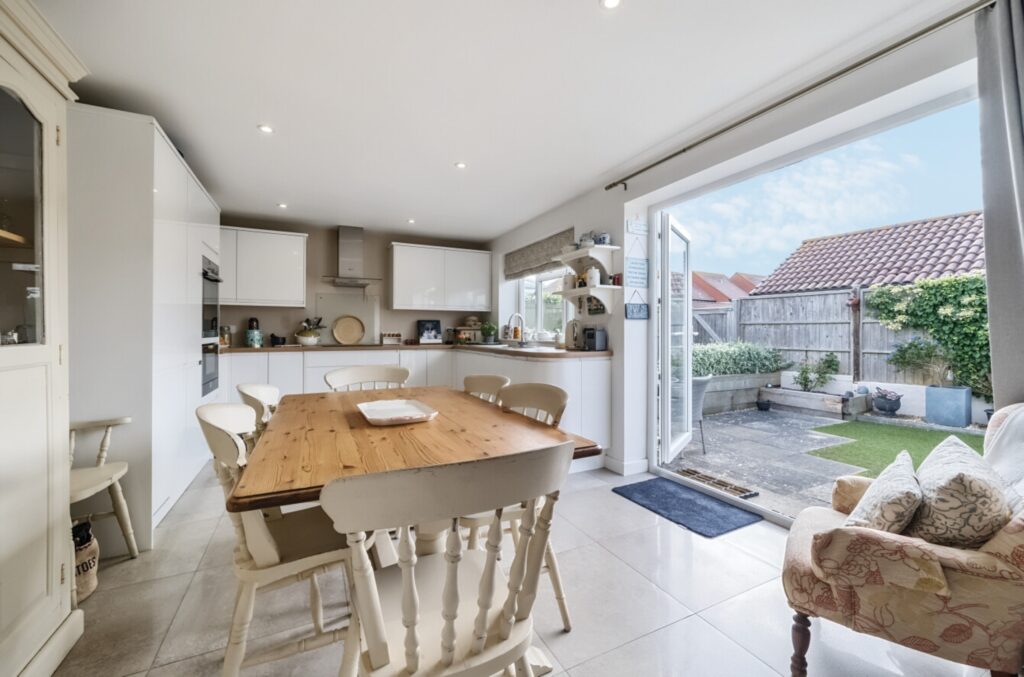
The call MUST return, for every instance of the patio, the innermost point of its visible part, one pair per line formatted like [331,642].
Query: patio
[767,451]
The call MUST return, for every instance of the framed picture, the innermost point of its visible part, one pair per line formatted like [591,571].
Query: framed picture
[429,331]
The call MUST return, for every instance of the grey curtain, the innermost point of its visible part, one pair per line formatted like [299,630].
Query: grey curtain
[537,257]
[1000,33]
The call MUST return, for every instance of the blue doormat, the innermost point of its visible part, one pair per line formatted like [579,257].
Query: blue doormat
[696,511]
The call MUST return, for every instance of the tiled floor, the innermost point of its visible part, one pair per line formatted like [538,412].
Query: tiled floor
[648,599]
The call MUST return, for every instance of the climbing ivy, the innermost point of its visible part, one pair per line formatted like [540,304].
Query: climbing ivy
[953,312]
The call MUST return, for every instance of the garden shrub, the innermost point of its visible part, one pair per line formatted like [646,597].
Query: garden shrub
[720,359]
[954,313]
[814,375]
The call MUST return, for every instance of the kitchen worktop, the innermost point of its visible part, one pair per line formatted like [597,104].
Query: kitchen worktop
[495,349]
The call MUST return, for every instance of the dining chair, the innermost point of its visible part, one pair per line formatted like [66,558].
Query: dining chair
[270,553]
[485,386]
[263,398]
[89,481]
[366,377]
[545,403]
[452,613]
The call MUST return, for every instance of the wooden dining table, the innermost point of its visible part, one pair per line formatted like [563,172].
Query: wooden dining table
[315,438]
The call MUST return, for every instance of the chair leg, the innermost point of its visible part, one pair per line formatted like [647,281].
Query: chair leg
[523,668]
[801,642]
[316,604]
[353,637]
[239,632]
[474,538]
[703,446]
[556,583]
[123,520]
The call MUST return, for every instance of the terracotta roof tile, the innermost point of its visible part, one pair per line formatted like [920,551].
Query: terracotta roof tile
[895,254]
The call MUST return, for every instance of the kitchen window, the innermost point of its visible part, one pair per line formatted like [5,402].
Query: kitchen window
[542,309]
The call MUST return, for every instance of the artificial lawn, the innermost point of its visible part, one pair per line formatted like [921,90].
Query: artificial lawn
[875,445]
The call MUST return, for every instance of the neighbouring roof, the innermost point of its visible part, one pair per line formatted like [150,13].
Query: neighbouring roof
[718,286]
[746,281]
[896,254]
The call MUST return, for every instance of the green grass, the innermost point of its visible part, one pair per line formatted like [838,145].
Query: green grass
[875,445]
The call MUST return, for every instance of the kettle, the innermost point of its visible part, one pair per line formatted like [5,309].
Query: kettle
[574,335]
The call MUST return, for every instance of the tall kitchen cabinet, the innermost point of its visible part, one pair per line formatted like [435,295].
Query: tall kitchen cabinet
[37,624]
[140,226]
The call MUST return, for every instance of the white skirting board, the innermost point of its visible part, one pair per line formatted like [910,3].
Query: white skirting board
[47,660]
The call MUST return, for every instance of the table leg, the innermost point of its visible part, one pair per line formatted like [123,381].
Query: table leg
[430,537]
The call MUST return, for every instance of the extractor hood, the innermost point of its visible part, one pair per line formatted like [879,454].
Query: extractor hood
[350,260]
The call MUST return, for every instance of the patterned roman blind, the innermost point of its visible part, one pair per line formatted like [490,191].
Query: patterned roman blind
[537,257]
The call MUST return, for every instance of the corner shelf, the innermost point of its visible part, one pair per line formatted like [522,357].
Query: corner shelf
[604,293]
[599,255]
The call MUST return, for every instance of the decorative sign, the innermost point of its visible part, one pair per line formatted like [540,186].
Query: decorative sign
[637,310]
[637,227]
[636,272]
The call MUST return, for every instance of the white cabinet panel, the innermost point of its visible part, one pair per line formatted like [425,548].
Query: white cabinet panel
[467,280]
[318,363]
[224,387]
[228,266]
[284,370]
[200,208]
[597,398]
[248,368]
[173,326]
[416,362]
[270,269]
[439,368]
[417,277]
[170,192]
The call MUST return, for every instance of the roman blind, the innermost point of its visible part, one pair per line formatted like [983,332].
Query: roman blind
[537,257]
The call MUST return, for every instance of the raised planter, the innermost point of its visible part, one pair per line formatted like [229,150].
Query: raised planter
[736,391]
[816,404]
[948,406]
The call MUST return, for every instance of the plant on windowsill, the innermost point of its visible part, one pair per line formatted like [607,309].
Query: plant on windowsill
[488,330]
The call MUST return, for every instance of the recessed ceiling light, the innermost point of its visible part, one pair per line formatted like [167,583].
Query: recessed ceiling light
[282,205]
[460,165]
[412,221]
[265,128]
[609,4]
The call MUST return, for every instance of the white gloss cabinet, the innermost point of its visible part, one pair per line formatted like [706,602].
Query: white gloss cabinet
[439,278]
[265,267]
[284,370]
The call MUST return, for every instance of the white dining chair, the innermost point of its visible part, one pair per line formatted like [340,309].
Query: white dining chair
[453,613]
[269,552]
[89,481]
[263,398]
[485,386]
[366,377]
[545,403]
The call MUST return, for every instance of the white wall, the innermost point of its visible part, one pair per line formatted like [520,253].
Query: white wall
[816,118]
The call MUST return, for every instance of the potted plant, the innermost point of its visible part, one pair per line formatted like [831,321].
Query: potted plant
[488,330]
[945,402]
[887,401]
[309,335]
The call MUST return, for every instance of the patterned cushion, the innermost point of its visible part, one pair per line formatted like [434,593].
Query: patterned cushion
[964,503]
[891,500]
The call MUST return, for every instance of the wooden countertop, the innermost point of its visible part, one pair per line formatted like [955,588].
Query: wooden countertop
[479,348]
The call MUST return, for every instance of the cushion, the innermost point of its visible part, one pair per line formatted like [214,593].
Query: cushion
[847,492]
[963,502]
[891,500]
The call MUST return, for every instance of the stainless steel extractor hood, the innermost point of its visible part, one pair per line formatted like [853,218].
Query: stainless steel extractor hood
[350,260]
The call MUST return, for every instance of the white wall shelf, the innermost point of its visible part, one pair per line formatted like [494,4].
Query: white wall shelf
[599,255]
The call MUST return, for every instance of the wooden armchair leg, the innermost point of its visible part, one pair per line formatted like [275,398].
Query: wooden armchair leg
[801,642]
[123,519]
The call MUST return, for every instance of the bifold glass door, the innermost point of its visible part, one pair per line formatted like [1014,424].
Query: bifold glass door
[674,339]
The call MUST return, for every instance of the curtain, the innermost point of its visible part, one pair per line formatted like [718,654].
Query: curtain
[1000,34]
[537,257]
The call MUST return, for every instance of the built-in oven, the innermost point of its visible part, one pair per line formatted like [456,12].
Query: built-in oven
[210,368]
[211,298]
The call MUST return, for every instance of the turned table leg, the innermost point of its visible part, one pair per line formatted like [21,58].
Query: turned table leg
[801,642]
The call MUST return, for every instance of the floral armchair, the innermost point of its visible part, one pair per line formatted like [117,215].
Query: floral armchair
[963,605]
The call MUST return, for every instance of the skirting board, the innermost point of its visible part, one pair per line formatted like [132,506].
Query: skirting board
[587,463]
[49,658]
[617,465]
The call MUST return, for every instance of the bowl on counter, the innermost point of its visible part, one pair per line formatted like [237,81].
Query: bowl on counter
[308,340]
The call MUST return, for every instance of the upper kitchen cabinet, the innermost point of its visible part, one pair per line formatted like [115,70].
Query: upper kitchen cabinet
[263,267]
[439,278]
[201,208]
[170,182]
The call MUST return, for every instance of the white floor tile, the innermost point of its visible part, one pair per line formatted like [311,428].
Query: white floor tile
[600,513]
[196,504]
[763,539]
[177,549]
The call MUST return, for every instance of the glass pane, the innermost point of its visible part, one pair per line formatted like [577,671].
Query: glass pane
[677,333]
[21,242]
[530,302]
[553,313]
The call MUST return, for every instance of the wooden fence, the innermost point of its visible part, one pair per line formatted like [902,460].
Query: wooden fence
[809,325]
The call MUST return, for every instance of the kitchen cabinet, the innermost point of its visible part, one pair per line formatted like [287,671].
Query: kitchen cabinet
[248,368]
[268,268]
[318,363]
[284,370]
[439,278]
[416,362]
[439,368]
[200,209]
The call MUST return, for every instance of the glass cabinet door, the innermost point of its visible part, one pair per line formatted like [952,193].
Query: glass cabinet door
[21,237]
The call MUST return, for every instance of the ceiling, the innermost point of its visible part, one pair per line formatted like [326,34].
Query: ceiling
[374,101]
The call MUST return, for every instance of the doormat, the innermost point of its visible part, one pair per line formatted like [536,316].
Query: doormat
[690,508]
[718,483]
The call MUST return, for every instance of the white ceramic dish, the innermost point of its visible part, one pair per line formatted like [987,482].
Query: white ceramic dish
[396,412]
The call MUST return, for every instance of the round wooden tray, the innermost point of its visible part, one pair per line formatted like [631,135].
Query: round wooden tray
[348,330]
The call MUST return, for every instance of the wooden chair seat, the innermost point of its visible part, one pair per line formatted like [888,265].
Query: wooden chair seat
[304,533]
[430,578]
[86,482]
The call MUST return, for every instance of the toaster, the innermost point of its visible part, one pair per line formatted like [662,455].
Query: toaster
[595,338]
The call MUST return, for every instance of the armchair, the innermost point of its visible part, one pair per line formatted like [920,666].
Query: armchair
[963,605]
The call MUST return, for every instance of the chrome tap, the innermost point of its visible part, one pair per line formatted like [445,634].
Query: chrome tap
[522,328]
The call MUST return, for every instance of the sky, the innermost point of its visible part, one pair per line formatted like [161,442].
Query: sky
[928,167]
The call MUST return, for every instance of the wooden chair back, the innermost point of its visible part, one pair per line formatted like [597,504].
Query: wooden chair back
[540,401]
[485,386]
[366,377]
[262,397]
[400,499]
[229,430]
[107,425]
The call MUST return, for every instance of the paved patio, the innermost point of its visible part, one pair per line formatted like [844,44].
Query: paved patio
[766,451]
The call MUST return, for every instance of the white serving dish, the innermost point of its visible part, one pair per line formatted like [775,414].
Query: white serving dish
[396,412]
